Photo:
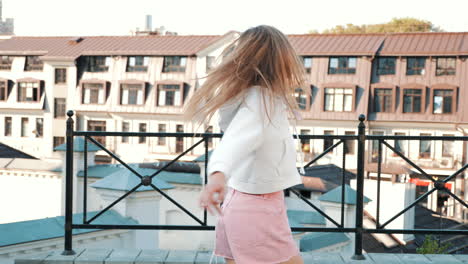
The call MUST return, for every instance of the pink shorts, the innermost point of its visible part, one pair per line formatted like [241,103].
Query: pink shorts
[254,229]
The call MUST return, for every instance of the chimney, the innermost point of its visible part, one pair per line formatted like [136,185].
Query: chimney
[149,22]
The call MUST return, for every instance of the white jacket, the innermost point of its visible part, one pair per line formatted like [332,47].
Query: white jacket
[255,155]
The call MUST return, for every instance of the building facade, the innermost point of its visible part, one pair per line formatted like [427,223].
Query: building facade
[405,84]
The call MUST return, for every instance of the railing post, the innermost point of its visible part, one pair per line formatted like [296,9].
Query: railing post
[69,186]
[360,189]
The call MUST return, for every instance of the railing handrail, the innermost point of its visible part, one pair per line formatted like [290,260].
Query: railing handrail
[358,229]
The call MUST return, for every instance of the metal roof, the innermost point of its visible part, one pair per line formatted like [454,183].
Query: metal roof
[78,145]
[104,170]
[66,47]
[52,227]
[126,180]
[333,44]
[9,152]
[334,196]
[417,44]
[391,44]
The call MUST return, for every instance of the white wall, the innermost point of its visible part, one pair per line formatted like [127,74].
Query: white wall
[28,195]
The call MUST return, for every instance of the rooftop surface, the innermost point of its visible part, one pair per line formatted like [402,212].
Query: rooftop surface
[188,256]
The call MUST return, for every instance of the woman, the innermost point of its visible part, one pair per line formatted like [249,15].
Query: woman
[253,88]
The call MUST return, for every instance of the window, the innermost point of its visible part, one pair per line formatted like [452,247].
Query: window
[349,145]
[33,63]
[179,140]
[24,126]
[339,99]
[8,125]
[301,99]
[210,139]
[97,63]
[58,141]
[442,101]
[375,147]
[39,127]
[125,128]
[445,66]
[5,63]
[383,100]
[131,94]
[93,93]
[425,147]
[447,146]
[174,63]
[142,129]
[400,145]
[415,66]
[327,142]
[60,106]
[3,90]
[305,143]
[210,60]
[137,64]
[28,91]
[412,100]
[386,65]
[161,129]
[342,65]
[95,125]
[307,61]
[169,94]
[60,75]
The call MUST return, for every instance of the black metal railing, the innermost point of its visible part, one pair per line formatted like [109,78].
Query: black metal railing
[146,180]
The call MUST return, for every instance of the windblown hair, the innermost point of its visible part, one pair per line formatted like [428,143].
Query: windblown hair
[262,56]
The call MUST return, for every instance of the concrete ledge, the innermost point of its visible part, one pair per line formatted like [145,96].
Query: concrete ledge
[138,256]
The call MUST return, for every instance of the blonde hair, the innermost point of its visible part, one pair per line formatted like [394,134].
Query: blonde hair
[260,56]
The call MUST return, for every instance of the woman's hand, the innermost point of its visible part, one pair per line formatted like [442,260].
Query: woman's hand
[213,193]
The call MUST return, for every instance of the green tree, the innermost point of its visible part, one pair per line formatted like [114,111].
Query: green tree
[431,246]
[406,24]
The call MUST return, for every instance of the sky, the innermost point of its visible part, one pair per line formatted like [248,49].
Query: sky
[213,17]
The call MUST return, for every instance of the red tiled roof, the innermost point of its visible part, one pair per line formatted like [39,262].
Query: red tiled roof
[107,45]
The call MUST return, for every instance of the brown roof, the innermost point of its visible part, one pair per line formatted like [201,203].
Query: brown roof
[63,47]
[395,44]
[425,44]
[391,44]
[332,44]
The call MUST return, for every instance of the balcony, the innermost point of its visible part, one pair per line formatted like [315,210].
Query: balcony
[350,215]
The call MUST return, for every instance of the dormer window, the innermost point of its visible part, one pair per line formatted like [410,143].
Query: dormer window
[93,93]
[169,94]
[3,90]
[28,91]
[137,64]
[33,63]
[174,63]
[97,63]
[132,93]
[5,63]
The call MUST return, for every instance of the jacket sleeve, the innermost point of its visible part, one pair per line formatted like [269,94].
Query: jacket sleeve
[242,137]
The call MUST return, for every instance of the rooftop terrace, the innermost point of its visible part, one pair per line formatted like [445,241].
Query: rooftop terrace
[134,256]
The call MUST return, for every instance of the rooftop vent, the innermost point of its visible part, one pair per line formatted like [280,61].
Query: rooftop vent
[75,40]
